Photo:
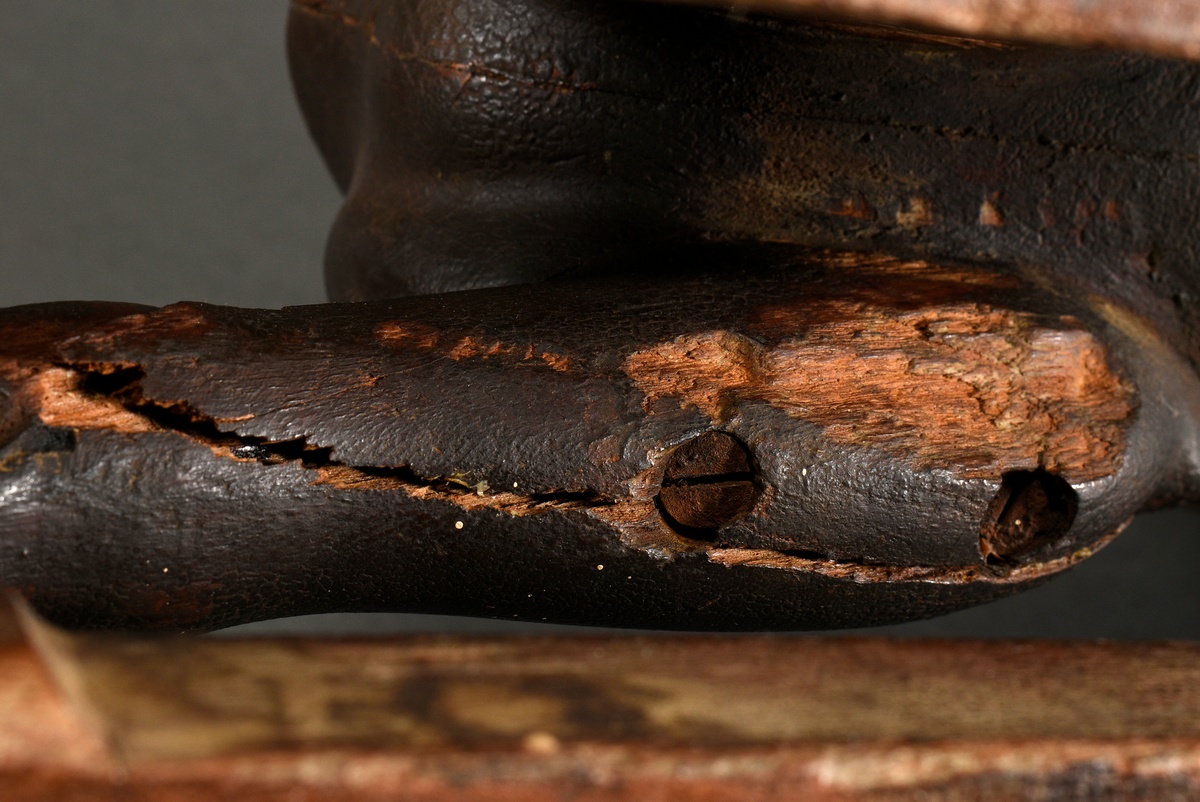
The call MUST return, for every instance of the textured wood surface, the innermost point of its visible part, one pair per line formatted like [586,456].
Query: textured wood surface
[1166,27]
[993,371]
[696,718]
[495,142]
[903,438]
[488,142]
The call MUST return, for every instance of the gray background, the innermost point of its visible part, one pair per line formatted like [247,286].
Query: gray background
[152,152]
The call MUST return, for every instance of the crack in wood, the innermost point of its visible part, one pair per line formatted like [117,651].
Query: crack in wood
[117,390]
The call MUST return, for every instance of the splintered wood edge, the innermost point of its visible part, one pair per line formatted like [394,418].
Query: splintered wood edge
[42,728]
[610,718]
[1167,29]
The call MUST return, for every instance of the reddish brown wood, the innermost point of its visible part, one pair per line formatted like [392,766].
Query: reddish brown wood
[433,718]
[329,450]
[708,482]
[484,143]
[1170,28]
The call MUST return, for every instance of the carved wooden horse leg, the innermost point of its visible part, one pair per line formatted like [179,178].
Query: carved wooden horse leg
[728,409]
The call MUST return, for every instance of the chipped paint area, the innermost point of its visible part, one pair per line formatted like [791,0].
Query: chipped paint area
[56,397]
[345,477]
[642,528]
[962,388]
[59,397]
[934,574]
[470,347]
[420,336]
[407,335]
[990,215]
[919,213]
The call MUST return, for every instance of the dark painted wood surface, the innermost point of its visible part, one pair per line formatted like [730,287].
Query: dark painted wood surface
[481,143]
[917,437]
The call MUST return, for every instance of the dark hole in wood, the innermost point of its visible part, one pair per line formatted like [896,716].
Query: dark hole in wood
[13,419]
[1032,509]
[708,482]
[116,382]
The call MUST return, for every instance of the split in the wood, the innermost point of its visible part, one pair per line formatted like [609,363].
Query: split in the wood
[904,436]
[102,384]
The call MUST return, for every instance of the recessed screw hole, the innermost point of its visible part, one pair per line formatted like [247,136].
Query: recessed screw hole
[708,482]
[1032,509]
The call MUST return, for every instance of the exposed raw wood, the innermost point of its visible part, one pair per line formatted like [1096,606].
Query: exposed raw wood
[893,438]
[990,373]
[773,437]
[957,387]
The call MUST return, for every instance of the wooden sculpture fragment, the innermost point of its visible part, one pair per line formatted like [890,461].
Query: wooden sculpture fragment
[483,143]
[814,441]
[817,326]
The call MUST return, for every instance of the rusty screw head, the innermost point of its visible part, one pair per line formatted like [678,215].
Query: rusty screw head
[708,482]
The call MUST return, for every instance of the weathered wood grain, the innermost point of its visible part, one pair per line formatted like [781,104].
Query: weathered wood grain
[917,437]
[922,430]
[1166,28]
[487,142]
[431,718]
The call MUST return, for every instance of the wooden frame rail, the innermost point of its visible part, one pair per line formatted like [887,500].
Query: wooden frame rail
[102,717]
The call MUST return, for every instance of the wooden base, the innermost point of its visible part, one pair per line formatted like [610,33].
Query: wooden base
[1169,29]
[88,717]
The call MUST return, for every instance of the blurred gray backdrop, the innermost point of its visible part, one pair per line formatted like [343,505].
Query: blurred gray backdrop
[151,151]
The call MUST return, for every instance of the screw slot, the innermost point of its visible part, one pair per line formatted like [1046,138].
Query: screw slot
[1032,509]
[708,483]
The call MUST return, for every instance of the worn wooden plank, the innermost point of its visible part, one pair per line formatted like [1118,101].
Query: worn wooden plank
[1166,28]
[434,718]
